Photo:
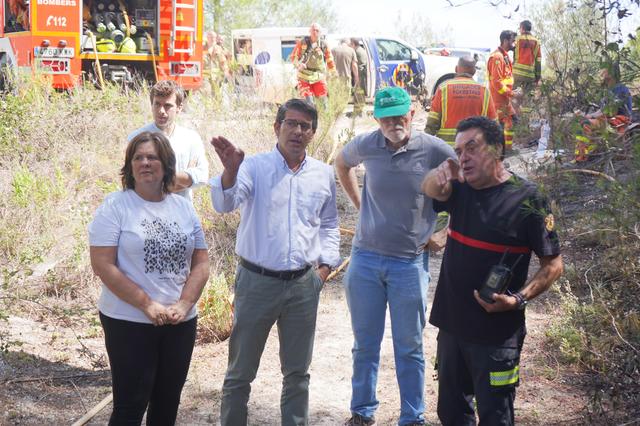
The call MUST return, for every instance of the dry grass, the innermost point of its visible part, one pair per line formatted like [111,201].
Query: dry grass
[59,156]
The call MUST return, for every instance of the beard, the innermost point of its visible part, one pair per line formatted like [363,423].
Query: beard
[397,134]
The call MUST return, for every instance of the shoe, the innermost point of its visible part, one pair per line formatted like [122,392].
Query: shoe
[358,420]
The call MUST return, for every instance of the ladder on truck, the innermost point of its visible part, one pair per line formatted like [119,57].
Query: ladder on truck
[184,21]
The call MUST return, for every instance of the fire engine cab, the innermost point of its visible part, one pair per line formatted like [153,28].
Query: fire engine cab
[99,40]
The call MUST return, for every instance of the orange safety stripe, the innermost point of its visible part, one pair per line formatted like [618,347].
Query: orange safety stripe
[483,245]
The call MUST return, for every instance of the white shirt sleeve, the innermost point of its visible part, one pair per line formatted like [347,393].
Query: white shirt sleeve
[199,165]
[104,230]
[230,199]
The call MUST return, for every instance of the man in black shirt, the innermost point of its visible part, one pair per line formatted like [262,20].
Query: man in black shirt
[495,217]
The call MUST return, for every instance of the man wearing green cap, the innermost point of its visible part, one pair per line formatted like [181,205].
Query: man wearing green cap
[388,263]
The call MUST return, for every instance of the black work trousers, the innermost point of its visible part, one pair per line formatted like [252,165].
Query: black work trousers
[149,366]
[488,372]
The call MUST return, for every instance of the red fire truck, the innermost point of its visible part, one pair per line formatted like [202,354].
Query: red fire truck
[99,40]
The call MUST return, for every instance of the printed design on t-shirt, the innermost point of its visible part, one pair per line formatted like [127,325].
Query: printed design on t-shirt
[165,247]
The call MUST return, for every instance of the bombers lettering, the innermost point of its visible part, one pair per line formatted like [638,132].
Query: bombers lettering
[58,2]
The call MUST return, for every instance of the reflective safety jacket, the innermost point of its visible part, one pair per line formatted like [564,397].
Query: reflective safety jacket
[500,72]
[527,59]
[455,100]
[317,58]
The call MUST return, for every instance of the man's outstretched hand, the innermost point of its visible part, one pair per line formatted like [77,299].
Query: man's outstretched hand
[231,157]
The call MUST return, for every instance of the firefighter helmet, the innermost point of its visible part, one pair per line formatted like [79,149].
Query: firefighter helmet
[106,45]
[127,46]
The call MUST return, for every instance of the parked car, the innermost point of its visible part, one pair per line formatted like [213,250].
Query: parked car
[441,63]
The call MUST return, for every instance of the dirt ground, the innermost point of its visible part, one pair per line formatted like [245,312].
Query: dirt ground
[58,372]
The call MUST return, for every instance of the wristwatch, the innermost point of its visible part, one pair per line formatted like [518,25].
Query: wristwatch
[522,302]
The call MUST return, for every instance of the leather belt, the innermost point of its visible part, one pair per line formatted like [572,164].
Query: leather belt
[283,275]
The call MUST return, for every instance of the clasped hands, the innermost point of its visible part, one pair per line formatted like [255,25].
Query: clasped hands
[160,314]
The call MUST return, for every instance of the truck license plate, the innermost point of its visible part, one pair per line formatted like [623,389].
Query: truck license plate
[53,52]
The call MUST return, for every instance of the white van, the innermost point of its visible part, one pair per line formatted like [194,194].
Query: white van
[263,57]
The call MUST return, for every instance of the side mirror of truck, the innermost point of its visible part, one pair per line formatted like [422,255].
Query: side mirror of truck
[414,55]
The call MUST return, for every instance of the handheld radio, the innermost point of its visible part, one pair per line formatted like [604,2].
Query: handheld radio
[498,279]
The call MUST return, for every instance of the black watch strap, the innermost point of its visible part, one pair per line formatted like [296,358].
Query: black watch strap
[522,302]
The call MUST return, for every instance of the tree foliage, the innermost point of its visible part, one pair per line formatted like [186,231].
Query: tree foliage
[566,32]
[418,30]
[580,37]
[225,15]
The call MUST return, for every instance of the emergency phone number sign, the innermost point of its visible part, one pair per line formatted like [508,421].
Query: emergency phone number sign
[57,15]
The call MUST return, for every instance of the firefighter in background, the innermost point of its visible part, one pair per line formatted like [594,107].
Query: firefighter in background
[215,58]
[614,113]
[313,59]
[361,89]
[526,63]
[216,64]
[500,71]
[457,99]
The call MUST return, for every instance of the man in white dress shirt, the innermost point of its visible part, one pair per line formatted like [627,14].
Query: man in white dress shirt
[192,167]
[287,241]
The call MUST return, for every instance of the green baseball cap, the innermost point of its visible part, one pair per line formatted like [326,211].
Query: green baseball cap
[391,102]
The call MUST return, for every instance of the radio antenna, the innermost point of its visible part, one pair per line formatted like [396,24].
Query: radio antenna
[504,255]
[516,262]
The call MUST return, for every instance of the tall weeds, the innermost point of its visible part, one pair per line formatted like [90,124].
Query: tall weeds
[598,331]
[60,153]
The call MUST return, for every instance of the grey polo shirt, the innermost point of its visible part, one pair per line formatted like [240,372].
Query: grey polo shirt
[396,218]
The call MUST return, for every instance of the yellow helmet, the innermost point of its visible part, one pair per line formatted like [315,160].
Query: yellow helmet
[127,46]
[106,45]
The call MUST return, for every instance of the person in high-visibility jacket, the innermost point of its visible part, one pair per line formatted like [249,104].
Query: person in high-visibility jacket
[500,71]
[614,114]
[526,63]
[526,58]
[457,99]
[313,59]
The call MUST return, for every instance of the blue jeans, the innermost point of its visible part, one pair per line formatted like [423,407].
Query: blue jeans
[373,281]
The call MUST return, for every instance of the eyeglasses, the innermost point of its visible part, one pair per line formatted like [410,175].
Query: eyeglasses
[293,124]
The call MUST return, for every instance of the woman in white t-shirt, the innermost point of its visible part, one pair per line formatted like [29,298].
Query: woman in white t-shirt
[148,248]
